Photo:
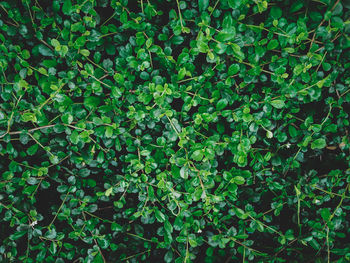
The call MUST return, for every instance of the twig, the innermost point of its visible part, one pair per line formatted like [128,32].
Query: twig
[138,254]
[330,193]
[59,209]
[323,20]
[180,16]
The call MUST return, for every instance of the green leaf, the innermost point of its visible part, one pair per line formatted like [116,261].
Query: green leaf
[233,69]
[239,180]
[193,242]
[275,12]
[278,104]
[72,179]
[202,47]
[109,191]
[54,159]
[18,235]
[51,234]
[226,34]
[269,134]
[74,137]
[318,144]
[234,3]
[32,149]
[184,172]
[67,118]
[168,227]
[98,258]
[85,52]
[240,213]
[176,127]
[273,44]
[116,92]
[237,51]
[67,8]
[104,244]
[292,131]
[80,42]
[28,116]
[62,188]
[296,6]
[197,155]
[315,244]
[197,194]
[45,51]
[242,236]
[159,216]
[42,71]
[100,157]
[55,42]
[203,5]
[92,102]
[169,256]
[116,227]
[221,104]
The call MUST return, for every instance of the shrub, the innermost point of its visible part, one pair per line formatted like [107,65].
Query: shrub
[176,131]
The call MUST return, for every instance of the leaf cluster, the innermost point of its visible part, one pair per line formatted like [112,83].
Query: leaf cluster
[175,131]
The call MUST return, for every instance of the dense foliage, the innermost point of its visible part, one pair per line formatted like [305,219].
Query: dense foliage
[174,131]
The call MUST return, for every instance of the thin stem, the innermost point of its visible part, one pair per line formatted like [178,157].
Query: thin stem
[8,125]
[142,7]
[144,239]
[100,81]
[200,180]
[108,19]
[340,203]
[214,7]
[341,95]
[298,197]
[33,130]
[40,144]
[51,97]
[180,16]
[328,251]
[194,95]
[59,209]
[108,34]
[173,126]
[272,229]
[17,25]
[245,246]
[319,65]
[138,254]
[96,64]
[184,80]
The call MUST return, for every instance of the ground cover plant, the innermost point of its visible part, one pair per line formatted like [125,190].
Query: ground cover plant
[174,131]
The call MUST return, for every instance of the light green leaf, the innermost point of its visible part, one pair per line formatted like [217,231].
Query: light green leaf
[109,191]
[239,180]
[85,52]
[159,215]
[318,144]
[226,34]
[197,155]
[278,104]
